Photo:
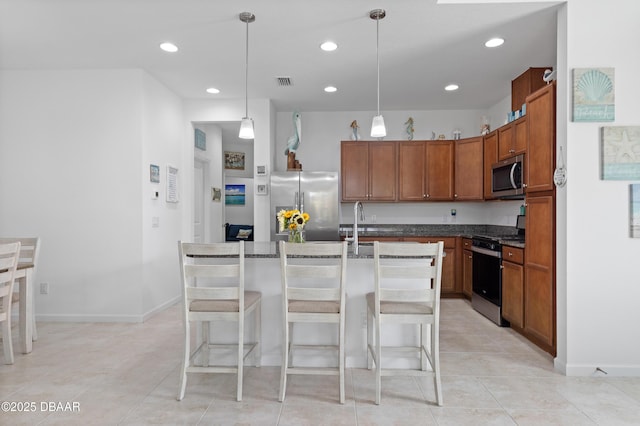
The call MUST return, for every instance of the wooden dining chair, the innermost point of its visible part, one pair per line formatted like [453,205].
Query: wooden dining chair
[313,291]
[213,289]
[407,279]
[9,254]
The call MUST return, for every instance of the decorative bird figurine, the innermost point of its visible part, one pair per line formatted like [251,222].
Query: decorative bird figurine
[409,128]
[355,136]
[294,141]
[549,76]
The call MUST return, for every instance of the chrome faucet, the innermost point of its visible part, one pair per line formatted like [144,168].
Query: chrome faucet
[358,210]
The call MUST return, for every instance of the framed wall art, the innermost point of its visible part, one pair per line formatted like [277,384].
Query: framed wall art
[154,173]
[172,184]
[216,194]
[262,189]
[233,160]
[234,195]
[200,139]
[635,210]
[620,154]
[593,94]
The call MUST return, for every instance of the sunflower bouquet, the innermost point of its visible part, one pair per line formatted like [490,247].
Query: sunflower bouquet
[293,221]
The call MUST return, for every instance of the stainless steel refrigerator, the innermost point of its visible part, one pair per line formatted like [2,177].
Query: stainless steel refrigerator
[315,193]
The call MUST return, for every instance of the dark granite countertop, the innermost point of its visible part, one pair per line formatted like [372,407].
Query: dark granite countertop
[269,249]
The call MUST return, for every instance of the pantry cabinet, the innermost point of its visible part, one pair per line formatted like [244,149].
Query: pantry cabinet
[539,271]
[541,127]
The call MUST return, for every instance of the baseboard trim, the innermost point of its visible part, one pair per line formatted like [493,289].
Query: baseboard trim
[108,318]
[602,370]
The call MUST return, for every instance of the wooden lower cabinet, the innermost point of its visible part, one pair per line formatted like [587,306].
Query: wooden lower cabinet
[448,284]
[513,285]
[467,273]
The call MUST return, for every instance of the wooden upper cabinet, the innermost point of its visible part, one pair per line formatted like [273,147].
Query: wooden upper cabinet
[368,171]
[525,84]
[354,170]
[469,163]
[541,120]
[512,138]
[383,171]
[439,178]
[490,157]
[412,171]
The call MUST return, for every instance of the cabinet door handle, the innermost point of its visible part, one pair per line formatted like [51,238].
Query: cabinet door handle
[501,267]
[428,195]
[524,185]
[455,195]
[510,254]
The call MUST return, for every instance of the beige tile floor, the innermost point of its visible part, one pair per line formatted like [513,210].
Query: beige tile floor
[127,374]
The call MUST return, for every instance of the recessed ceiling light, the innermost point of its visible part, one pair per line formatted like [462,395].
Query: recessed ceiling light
[213,90]
[330,89]
[451,87]
[328,46]
[169,47]
[494,42]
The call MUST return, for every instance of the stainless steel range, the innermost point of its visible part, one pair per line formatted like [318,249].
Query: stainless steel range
[487,278]
[487,272]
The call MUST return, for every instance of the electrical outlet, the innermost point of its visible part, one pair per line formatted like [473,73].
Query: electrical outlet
[44,288]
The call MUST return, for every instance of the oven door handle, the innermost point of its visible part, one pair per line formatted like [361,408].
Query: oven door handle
[487,252]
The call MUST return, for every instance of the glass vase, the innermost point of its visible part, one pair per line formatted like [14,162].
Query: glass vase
[296,236]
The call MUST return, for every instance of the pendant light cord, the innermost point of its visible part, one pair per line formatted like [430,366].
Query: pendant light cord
[378,57]
[246,75]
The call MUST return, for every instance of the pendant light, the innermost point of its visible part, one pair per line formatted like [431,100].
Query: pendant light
[378,130]
[246,126]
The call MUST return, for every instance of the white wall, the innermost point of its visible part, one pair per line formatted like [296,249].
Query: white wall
[602,281]
[161,145]
[241,214]
[322,132]
[73,167]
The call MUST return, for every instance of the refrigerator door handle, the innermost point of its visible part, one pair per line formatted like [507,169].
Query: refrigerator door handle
[302,203]
[296,200]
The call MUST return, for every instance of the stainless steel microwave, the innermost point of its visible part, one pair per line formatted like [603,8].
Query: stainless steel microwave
[507,178]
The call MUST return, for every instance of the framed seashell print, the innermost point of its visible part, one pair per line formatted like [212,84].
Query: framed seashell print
[593,94]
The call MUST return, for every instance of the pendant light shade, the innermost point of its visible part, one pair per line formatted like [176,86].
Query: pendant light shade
[246,129]
[378,130]
[246,126]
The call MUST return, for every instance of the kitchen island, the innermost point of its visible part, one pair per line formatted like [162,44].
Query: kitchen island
[262,273]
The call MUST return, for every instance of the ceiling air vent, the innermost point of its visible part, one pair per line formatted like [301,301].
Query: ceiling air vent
[284,81]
